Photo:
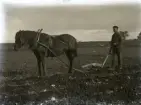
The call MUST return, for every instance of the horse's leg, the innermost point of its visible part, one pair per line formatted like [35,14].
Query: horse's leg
[39,67]
[43,55]
[38,62]
[69,54]
[70,66]
[44,64]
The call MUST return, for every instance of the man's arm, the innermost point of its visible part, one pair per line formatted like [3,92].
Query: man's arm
[120,39]
[111,42]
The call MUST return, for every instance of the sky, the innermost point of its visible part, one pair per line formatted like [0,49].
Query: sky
[85,22]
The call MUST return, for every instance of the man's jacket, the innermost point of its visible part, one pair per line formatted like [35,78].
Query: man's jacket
[116,40]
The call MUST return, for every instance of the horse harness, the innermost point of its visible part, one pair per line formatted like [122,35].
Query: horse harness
[48,47]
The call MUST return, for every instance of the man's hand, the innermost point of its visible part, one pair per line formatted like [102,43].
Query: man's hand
[110,51]
[114,44]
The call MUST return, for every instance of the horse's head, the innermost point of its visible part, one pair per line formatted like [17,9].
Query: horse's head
[19,40]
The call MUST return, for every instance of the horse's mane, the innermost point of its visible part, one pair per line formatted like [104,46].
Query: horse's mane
[31,34]
[31,31]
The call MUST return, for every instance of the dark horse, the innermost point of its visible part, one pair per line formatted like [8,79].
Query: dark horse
[58,44]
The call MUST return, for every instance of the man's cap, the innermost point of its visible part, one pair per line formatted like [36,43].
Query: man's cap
[115,26]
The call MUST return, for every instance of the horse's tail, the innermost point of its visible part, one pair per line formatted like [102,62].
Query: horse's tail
[73,46]
[75,53]
[76,46]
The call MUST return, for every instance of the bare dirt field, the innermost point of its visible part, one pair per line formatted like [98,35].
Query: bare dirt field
[21,86]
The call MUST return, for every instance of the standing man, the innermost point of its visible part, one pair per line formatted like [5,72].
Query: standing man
[115,47]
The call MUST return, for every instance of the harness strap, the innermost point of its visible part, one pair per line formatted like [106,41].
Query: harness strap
[38,34]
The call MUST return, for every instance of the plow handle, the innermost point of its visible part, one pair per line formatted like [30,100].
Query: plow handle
[105,61]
